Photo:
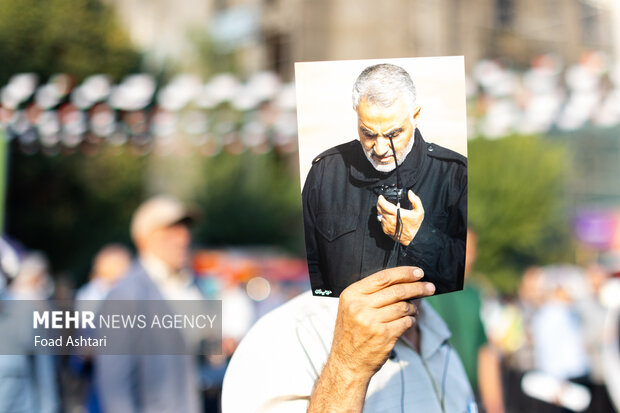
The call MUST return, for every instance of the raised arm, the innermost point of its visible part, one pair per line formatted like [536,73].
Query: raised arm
[372,314]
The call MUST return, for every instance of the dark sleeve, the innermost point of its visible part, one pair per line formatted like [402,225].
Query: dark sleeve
[441,253]
[310,198]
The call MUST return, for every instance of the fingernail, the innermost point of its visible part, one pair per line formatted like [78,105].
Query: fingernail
[418,273]
[430,288]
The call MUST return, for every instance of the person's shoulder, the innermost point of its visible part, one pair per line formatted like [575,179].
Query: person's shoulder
[333,162]
[280,347]
[293,313]
[280,329]
[133,285]
[337,151]
[444,154]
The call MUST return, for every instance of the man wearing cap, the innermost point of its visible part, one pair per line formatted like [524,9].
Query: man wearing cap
[354,226]
[153,383]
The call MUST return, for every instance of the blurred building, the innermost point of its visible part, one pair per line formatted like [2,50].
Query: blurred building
[272,34]
[161,28]
[299,30]
[513,31]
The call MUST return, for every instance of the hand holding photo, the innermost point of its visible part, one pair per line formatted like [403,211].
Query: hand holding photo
[388,198]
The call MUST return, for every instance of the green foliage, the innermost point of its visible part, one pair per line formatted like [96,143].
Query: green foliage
[79,37]
[71,205]
[207,60]
[251,200]
[516,206]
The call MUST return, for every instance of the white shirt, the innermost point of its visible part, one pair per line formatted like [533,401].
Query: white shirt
[276,365]
[237,313]
[559,347]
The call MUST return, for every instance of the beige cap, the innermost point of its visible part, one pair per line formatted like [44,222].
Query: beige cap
[158,212]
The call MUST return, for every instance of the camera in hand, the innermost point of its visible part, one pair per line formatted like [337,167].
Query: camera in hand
[393,194]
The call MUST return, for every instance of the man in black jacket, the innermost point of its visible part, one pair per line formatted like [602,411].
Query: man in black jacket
[388,199]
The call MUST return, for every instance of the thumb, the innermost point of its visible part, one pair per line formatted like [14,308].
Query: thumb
[411,197]
[414,199]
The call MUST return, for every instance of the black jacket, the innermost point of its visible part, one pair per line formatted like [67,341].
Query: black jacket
[344,240]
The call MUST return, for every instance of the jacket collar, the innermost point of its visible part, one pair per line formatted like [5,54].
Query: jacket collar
[362,171]
[433,330]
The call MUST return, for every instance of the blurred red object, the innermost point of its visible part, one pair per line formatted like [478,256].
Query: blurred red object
[239,266]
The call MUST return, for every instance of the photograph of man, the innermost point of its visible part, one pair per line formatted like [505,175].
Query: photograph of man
[388,198]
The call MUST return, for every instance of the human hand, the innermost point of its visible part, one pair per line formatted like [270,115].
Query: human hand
[411,218]
[372,314]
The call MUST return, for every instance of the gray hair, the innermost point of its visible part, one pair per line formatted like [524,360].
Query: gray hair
[382,84]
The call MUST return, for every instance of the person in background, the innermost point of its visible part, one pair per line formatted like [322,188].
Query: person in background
[109,265]
[33,281]
[557,331]
[461,311]
[593,315]
[377,349]
[237,317]
[153,383]
[27,382]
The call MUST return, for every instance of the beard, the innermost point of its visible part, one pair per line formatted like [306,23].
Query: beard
[389,167]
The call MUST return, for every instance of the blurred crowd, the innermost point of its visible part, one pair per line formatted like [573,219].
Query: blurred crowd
[551,347]
[557,337]
[184,116]
[249,283]
[229,114]
[547,96]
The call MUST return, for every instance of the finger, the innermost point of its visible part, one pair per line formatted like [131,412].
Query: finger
[382,279]
[402,291]
[386,206]
[399,326]
[385,212]
[388,226]
[416,202]
[380,210]
[388,221]
[396,310]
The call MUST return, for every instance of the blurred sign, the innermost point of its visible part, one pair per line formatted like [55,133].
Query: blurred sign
[596,228]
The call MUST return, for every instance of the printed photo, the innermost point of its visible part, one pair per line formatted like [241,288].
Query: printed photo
[383,166]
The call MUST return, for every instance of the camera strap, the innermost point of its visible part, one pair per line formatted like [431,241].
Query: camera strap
[400,189]
[399,184]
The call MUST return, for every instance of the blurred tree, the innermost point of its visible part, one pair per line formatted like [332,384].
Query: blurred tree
[251,199]
[517,206]
[70,205]
[207,60]
[79,37]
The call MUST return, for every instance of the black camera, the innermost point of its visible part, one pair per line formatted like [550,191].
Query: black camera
[393,194]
